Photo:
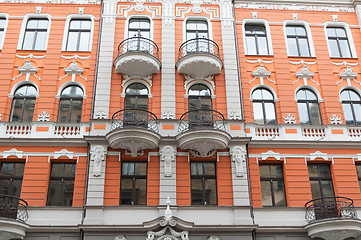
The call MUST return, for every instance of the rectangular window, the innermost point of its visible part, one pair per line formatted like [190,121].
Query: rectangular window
[203,183]
[79,35]
[61,184]
[11,178]
[133,189]
[35,34]
[272,185]
[358,169]
[2,30]
[338,42]
[297,41]
[256,39]
[139,27]
[320,180]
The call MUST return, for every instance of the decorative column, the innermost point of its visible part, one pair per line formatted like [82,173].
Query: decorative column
[105,61]
[230,60]
[168,60]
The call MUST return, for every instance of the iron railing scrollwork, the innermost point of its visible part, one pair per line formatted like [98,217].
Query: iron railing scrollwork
[13,208]
[198,45]
[330,207]
[202,118]
[134,118]
[138,44]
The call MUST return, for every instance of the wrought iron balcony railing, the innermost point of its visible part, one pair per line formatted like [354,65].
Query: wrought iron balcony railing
[13,208]
[138,44]
[330,207]
[198,45]
[201,118]
[134,118]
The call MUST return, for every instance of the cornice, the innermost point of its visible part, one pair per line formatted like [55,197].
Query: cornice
[53,1]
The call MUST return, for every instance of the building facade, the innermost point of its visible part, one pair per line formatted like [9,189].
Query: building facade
[178,120]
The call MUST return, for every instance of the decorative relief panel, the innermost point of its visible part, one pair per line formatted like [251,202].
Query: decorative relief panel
[168,156]
[289,119]
[262,74]
[124,10]
[348,74]
[238,155]
[27,69]
[305,74]
[73,70]
[97,154]
[271,154]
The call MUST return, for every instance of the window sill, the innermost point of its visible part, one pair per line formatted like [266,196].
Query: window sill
[255,55]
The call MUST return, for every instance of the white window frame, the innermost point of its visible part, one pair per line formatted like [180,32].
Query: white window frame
[353,88]
[207,84]
[210,31]
[268,34]
[348,34]
[304,24]
[6,16]
[66,29]
[141,81]
[67,84]
[27,17]
[126,29]
[311,88]
[275,98]
[21,83]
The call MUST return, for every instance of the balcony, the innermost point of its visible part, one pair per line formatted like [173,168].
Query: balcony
[199,58]
[332,218]
[203,132]
[137,56]
[134,130]
[13,214]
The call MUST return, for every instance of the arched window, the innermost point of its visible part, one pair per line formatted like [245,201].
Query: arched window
[308,108]
[263,107]
[136,97]
[351,104]
[22,109]
[199,97]
[71,104]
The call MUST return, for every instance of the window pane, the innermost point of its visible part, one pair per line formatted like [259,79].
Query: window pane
[32,24]
[141,168]
[210,191]
[270,113]
[68,190]
[72,41]
[28,40]
[266,95]
[347,111]
[315,113]
[7,169]
[324,170]
[251,45]
[128,168]
[315,189]
[126,191]
[344,47]
[354,96]
[86,24]
[258,113]
[262,46]
[4,187]
[69,170]
[64,107]
[76,110]
[75,24]
[340,32]
[301,94]
[334,48]
[1,35]
[57,170]
[292,46]
[300,31]
[42,24]
[19,169]
[302,109]
[327,189]
[257,94]
[2,23]
[55,191]
[331,32]
[40,41]
[141,191]
[72,91]
[84,41]
[264,171]
[310,95]
[266,193]
[279,193]
[16,111]
[29,110]
[357,111]
[304,50]
[196,192]
[276,171]
[290,30]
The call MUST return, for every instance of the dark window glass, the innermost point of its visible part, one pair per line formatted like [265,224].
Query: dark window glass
[78,35]
[35,34]
[11,178]
[61,184]
[71,104]
[2,28]
[272,185]
[351,104]
[297,41]
[22,109]
[338,42]
[199,98]
[320,180]
[196,29]
[133,187]
[139,27]
[308,108]
[263,107]
[203,183]
[358,170]
[256,39]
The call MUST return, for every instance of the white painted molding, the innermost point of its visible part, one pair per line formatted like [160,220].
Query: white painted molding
[318,154]
[63,153]
[54,1]
[271,154]
[294,7]
[13,153]
[289,119]
[44,116]
[268,33]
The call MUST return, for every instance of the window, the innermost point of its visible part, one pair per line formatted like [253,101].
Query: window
[297,41]
[203,183]
[196,29]
[320,180]
[134,183]
[2,30]
[351,104]
[139,27]
[308,108]
[11,178]
[136,97]
[79,35]
[70,104]
[199,105]
[35,34]
[272,185]
[61,184]
[263,107]
[338,42]
[22,109]
[256,39]
[358,170]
